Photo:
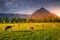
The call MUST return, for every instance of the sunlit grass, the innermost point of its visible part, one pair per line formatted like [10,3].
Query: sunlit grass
[22,31]
[26,26]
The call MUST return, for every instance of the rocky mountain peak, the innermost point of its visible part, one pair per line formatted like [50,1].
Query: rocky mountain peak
[42,10]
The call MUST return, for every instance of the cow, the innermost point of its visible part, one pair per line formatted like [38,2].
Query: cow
[42,25]
[31,27]
[36,25]
[8,27]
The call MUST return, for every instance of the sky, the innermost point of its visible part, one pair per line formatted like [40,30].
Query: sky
[29,6]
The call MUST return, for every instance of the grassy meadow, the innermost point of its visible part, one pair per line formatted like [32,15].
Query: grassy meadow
[22,31]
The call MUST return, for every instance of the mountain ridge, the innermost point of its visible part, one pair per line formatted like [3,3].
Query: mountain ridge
[10,15]
[42,13]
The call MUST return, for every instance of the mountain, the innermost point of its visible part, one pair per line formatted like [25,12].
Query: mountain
[42,10]
[10,15]
[42,14]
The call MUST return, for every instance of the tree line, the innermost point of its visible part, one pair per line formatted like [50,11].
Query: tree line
[26,20]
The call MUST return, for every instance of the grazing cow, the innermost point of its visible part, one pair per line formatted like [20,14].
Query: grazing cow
[18,24]
[36,25]
[42,25]
[31,28]
[8,27]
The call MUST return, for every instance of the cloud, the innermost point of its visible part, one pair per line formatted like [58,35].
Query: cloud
[20,5]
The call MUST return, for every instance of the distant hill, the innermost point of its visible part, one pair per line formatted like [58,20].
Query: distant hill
[43,14]
[10,15]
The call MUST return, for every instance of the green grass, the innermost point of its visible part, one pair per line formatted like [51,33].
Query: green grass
[53,34]
[46,33]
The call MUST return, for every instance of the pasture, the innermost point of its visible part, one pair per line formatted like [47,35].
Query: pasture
[23,31]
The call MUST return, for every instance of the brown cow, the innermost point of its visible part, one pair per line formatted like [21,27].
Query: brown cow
[31,27]
[42,25]
[8,27]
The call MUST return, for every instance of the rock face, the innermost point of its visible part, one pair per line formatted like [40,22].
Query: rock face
[43,14]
